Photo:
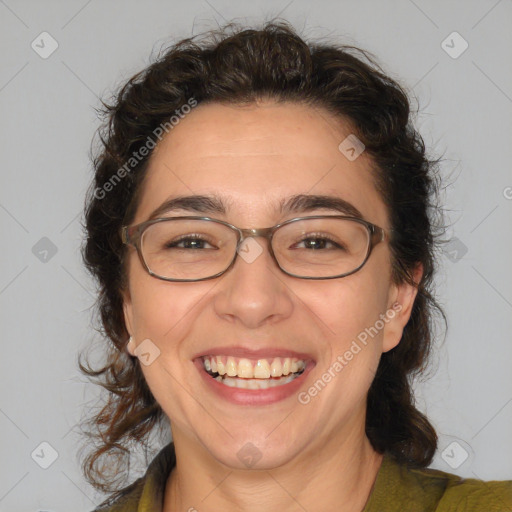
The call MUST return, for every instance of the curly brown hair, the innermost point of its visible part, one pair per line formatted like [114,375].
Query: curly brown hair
[238,66]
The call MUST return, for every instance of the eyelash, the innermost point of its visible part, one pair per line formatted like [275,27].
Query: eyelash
[189,237]
[323,238]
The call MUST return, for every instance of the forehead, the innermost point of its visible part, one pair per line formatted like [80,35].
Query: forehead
[255,157]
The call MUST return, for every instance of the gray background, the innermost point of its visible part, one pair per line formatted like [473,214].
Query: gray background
[47,122]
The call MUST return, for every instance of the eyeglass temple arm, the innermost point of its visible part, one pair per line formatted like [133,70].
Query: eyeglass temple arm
[126,236]
[378,234]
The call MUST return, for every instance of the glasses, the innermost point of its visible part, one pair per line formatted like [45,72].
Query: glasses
[188,249]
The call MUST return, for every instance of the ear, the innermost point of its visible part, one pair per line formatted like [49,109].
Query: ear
[128,319]
[400,304]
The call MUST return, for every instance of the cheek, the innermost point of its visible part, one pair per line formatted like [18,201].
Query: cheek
[158,307]
[348,306]
[162,313]
[351,344]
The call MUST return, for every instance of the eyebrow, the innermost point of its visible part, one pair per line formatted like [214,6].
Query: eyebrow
[300,203]
[306,203]
[196,204]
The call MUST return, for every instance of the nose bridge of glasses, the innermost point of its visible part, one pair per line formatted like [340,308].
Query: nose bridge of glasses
[256,232]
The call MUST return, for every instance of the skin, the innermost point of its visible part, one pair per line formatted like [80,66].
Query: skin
[314,456]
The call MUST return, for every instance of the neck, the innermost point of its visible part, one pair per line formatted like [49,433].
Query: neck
[337,472]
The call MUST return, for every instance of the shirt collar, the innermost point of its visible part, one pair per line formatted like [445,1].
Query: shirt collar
[152,496]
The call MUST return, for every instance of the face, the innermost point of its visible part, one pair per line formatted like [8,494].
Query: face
[252,160]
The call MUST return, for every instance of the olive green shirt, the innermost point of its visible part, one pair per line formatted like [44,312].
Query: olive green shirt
[396,489]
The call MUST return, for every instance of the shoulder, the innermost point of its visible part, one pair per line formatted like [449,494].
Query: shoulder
[126,500]
[399,487]
[457,494]
[146,491]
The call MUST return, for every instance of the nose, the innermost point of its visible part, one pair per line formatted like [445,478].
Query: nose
[253,291]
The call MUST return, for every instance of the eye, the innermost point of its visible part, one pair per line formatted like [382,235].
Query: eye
[189,242]
[319,242]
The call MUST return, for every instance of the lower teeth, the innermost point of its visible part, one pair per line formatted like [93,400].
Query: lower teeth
[236,382]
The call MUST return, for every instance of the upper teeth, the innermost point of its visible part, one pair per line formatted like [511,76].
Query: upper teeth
[245,368]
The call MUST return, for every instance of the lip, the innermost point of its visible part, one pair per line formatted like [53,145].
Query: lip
[254,397]
[262,353]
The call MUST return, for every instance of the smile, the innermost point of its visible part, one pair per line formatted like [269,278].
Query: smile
[244,373]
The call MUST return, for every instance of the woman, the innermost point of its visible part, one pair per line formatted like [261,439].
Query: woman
[262,233]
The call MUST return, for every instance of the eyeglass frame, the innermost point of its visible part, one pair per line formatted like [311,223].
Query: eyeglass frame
[132,236]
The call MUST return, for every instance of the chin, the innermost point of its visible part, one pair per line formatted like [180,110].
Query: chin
[255,452]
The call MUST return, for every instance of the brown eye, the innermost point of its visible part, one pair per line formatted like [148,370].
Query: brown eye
[189,242]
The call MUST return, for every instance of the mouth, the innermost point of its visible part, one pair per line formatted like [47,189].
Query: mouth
[253,377]
[244,373]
